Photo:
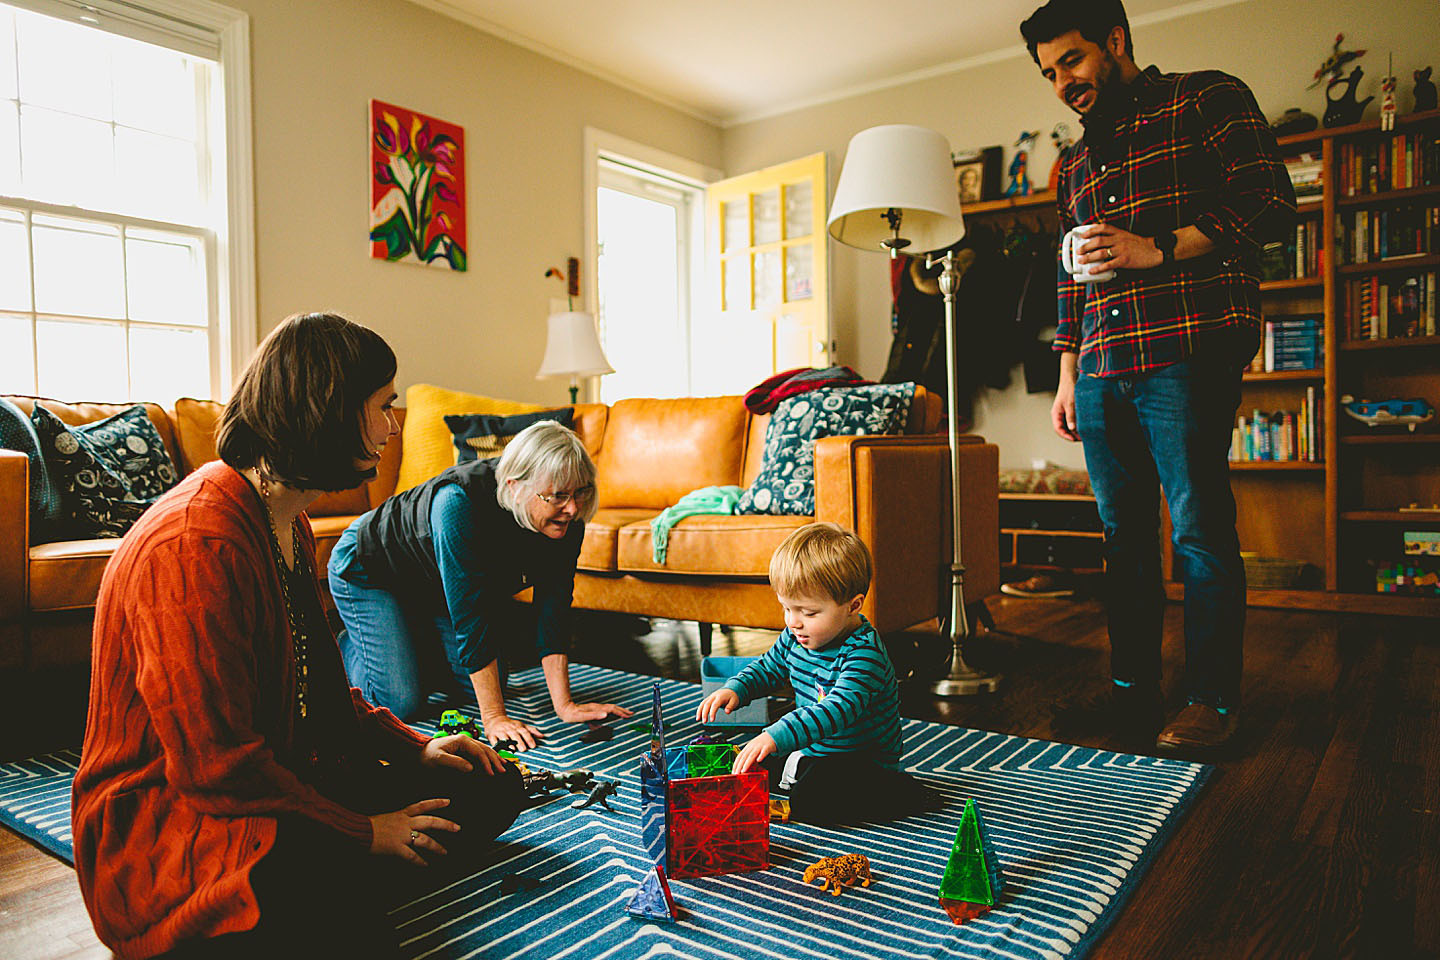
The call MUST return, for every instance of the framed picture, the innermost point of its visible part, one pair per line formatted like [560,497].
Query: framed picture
[417,188]
[969,179]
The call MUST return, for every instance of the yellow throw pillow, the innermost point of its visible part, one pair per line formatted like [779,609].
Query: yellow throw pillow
[428,445]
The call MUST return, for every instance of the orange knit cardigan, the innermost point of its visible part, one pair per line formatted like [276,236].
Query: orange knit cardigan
[192,697]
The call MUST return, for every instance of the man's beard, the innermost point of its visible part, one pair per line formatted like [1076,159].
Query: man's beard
[1107,85]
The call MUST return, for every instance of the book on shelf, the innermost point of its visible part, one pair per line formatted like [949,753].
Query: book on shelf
[1291,343]
[1400,161]
[1370,236]
[1280,436]
[1392,306]
[1307,177]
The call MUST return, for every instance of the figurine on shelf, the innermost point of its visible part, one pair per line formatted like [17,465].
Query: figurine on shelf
[1387,103]
[1019,179]
[1388,413]
[1060,136]
[1345,109]
[1424,91]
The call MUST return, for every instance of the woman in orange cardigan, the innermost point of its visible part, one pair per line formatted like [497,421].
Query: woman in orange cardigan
[235,795]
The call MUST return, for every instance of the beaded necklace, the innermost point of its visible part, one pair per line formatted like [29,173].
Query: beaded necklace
[300,638]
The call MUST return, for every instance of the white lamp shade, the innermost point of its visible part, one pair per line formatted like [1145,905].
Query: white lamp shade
[901,167]
[573,347]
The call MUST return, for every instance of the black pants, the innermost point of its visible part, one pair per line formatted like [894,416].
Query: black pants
[321,894]
[849,787]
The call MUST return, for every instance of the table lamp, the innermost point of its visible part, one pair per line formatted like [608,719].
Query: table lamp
[897,193]
[572,349]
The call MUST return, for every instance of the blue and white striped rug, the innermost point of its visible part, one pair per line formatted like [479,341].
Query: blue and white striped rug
[1074,830]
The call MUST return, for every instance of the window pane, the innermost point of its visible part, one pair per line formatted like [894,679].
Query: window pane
[799,209]
[82,361]
[157,174]
[799,268]
[17,360]
[14,262]
[737,283]
[165,275]
[767,216]
[9,147]
[154,89]
[169,364]
[7,55]
[735,221]
[67,159]
[78,270]
[767,278]
[64,66]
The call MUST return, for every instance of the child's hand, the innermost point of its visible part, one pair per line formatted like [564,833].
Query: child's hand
[753,752]
[711,705]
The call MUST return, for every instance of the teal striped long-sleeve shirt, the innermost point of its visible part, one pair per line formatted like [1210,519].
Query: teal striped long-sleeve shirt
[846,696]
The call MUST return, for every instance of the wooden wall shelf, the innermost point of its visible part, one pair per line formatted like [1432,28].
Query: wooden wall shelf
[1302,466]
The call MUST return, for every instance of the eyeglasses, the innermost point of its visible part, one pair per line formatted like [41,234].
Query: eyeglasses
[560,497]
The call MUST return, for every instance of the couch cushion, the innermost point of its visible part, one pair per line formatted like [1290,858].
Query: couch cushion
[47,504]
[97,500]
[75,414]
[590,420]
[656,451]
[195,422]
[481,436]
[602,537]
[65,575]
[129,444]
[709,544]
[429,448]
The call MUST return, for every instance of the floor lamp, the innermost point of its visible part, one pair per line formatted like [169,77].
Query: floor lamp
[897,193]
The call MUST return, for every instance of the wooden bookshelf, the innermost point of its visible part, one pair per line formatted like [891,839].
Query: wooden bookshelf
[1278,465]
[1040,199]
[1303,376]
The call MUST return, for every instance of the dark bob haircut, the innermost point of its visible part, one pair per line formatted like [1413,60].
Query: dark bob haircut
[1093,18]
[297,409]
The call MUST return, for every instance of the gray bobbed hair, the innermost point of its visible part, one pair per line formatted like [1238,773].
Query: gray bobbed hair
[545,456]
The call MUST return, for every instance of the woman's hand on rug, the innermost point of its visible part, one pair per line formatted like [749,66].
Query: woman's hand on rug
[711,706]
[753,752]
[583,712]
[403,833]
[463,753]
[524,735]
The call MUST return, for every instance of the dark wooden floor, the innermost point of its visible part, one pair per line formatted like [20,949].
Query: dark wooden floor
[1319,836]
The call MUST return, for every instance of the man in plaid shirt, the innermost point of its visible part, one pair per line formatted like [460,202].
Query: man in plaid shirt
[1184,179]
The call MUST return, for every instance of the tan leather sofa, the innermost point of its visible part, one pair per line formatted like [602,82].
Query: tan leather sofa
[890,490]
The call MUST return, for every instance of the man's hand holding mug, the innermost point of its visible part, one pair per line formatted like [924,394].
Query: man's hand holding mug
[1092,252]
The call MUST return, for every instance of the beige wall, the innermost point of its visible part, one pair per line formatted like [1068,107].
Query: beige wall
[1273,45]
[316,65]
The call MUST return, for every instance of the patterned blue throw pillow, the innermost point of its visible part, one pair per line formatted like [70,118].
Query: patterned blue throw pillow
[786,482]
[98,502]
[47,505]
[129,445]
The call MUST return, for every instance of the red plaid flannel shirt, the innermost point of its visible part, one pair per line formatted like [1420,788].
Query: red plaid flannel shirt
[1195,151]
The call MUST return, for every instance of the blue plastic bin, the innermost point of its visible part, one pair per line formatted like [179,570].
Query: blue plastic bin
[714,671]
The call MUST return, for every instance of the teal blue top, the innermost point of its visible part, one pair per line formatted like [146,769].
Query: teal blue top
[846,697]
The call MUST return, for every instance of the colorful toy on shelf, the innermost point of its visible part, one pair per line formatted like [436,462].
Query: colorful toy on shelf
[972,882]
[1388,413]
[1060,136]
[700,826]
[453,722]
[1335,62]
[1387,102]
[836,873]
[1019,179]
[652,899]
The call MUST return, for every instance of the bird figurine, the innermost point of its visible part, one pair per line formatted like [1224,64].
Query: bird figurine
[1335,62]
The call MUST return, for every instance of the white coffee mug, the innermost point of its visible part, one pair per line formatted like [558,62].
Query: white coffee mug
[1082,272]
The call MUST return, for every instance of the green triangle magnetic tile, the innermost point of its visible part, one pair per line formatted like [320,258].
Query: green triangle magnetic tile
[972,873]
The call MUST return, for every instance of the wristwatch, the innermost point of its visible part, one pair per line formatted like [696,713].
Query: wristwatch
[1165,243]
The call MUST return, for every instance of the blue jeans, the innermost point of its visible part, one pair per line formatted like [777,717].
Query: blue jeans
[1169,428]
[396,647]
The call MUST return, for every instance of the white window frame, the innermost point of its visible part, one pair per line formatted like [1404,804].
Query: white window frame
[601,145]
[220,33]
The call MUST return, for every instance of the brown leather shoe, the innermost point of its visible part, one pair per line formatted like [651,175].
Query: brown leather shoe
[1198,727]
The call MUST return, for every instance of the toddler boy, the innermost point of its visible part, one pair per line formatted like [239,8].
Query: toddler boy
[838,752]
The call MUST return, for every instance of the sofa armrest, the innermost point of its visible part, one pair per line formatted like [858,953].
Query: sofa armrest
[894,493]
[14,534]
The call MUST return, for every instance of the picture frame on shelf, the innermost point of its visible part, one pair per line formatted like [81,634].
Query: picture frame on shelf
[977,174]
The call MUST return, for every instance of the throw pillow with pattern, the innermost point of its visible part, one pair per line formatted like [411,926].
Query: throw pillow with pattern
[47,505]
[479,436]
[97,501]
[786,482]
[129,445]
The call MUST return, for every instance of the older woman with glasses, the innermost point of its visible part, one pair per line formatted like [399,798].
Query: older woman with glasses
[428,579]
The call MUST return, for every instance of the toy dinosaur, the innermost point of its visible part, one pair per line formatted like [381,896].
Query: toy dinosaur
[575,780]
[603,790]
[835,873]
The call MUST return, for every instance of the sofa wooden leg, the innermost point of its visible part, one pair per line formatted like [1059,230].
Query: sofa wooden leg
[707,632]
